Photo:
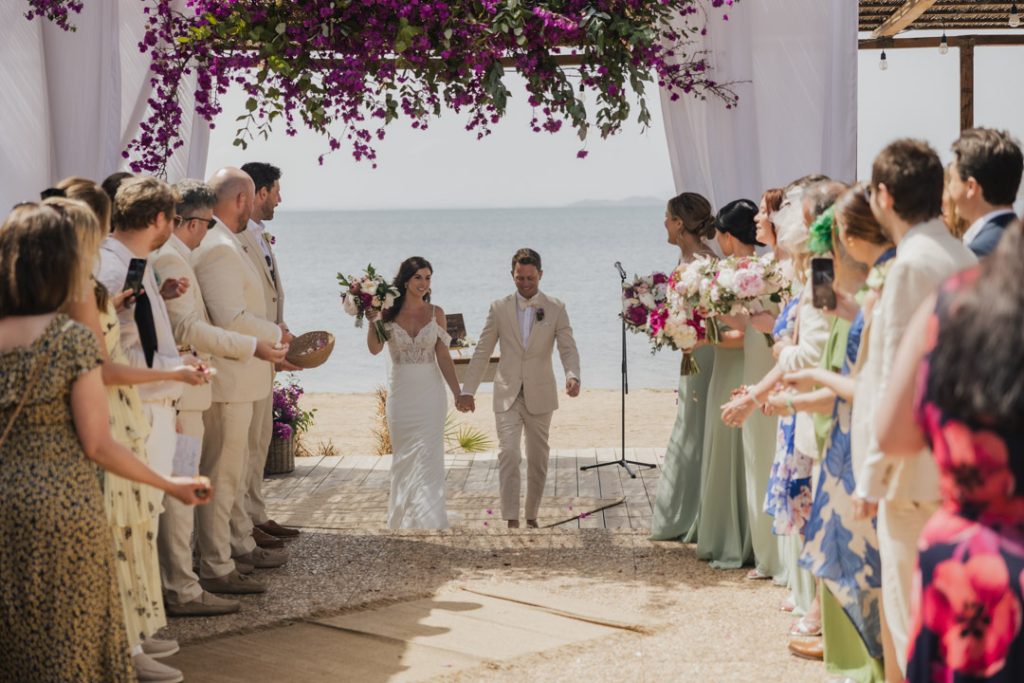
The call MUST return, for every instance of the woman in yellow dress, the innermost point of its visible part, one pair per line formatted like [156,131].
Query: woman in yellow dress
[132,509]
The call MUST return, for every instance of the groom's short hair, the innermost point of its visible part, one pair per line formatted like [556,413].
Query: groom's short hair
[526,257]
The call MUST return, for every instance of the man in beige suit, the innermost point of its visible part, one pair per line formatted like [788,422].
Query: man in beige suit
[192,327]
[527,325]
[234,300]
[906,198]
[257,243]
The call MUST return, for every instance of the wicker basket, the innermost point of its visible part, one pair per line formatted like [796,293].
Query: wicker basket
[281,456]
[311,349]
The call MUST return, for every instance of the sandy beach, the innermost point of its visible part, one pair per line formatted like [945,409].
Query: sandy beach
[589,421]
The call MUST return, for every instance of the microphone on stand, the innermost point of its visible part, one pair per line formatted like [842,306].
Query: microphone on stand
[618,267]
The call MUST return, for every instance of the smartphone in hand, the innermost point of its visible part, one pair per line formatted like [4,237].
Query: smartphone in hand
[822,278]
[133,281]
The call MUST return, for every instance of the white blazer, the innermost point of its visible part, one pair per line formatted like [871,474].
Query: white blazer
[234,300]
[524,365]
[191,322]
[925,257]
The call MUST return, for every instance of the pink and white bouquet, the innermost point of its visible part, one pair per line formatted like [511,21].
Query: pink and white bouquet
[745,285]
[691,288]
[641,298]
[369,293]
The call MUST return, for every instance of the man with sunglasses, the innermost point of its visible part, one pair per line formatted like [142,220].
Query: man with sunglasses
[192,328]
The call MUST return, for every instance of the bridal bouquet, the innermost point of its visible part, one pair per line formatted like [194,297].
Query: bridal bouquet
[369,293]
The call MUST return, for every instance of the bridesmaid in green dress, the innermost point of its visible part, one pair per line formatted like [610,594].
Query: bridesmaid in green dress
[723,530]
[688,221]
[759,430]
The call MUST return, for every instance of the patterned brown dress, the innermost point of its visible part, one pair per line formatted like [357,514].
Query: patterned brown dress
[60,612]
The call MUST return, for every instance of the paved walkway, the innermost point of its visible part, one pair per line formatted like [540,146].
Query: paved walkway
[328,478]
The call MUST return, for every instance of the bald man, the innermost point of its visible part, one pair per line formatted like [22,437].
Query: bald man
[234,300]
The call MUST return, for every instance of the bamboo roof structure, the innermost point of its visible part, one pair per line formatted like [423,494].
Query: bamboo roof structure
[886,18]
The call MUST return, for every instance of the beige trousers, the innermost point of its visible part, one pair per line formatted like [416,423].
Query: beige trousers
[225,452]
[510,427]
[259,445]
[899,525]
[174,543]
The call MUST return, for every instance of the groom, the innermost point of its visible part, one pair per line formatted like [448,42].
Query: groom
[527,324]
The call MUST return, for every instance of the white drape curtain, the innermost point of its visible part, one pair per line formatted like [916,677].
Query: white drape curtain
[798,101]
[73,101]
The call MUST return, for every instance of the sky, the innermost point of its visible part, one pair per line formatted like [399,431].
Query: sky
[446,167]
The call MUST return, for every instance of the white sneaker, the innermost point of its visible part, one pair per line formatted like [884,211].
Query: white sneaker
[149,670]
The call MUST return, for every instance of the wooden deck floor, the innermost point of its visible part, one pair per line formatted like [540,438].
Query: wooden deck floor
[477,473]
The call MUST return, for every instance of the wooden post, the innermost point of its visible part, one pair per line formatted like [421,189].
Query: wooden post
[966,86]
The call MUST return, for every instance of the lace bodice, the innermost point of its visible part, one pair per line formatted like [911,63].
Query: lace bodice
[407,350]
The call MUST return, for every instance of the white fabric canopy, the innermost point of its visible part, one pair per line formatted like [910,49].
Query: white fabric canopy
[73,101]
[798,105]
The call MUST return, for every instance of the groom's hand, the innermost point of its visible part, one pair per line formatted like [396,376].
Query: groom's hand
[465,404]
[572,387]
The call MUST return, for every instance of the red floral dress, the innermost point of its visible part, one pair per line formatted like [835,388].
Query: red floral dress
[967,603]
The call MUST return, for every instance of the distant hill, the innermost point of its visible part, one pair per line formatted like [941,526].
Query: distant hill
[628,201]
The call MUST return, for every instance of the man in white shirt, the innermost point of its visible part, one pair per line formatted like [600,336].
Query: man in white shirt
[257,244]
[906,199]
[983,181]
[143,216]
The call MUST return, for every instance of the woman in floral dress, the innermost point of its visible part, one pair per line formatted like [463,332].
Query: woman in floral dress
[958,386]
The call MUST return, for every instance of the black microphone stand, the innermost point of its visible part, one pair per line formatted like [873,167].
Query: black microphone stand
[625,390]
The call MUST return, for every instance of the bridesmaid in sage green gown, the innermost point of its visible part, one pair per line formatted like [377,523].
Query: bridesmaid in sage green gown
[688,221]
[759,430]
[724,528]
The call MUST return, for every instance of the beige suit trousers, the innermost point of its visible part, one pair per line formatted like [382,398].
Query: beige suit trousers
[259,445]
[900,523]
[510,427]
[225,451]
[174,543]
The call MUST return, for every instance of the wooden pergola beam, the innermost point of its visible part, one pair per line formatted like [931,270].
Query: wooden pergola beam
[903,17]
[953,41]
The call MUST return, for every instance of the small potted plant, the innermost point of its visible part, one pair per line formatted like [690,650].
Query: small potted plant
[290,422]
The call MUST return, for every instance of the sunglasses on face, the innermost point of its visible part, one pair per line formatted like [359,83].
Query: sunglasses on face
[181,220]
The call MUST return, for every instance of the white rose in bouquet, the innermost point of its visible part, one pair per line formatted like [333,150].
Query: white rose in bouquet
[348,303]
[369,286]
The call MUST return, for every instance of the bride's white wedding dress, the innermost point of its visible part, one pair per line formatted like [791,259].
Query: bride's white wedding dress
[416,410]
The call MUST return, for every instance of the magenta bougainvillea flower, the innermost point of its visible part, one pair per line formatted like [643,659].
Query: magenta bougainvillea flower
[346,70]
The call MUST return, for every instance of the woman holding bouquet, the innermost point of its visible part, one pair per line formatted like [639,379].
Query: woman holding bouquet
[689,221]
[421,365]
[723,532]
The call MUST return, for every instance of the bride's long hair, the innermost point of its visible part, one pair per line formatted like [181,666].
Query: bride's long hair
[409,267]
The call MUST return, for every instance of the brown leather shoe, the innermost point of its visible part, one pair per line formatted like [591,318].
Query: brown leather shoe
[808,648]
[274,529]
[265,540]
[532,524]
[206,605]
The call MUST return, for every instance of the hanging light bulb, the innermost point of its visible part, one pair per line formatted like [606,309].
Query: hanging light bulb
[943,44]
[1014,16]
[883,63]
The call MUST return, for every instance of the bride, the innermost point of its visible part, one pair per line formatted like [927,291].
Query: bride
[420,367]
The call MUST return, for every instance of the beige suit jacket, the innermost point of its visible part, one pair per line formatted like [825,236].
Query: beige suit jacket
[925,257]
[192,324]
[234,300]
[273,291]
[524,366]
